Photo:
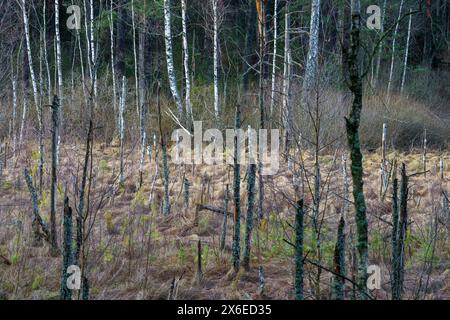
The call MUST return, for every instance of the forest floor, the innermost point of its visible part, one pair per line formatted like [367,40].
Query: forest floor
[133,252]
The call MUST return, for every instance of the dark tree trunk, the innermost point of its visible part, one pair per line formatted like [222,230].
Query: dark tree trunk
[352,124]
[236,250]
[299,260]
[338,292]
[55,137]
[250,41]
[121,16]
[65,292]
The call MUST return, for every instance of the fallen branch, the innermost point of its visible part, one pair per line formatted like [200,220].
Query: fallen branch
[34,200]
[203,207]
[6,260]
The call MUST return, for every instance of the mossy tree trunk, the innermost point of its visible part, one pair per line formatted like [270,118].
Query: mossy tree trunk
[65,292]
[236,248]
[225,220]
[352,125]
[338,292]
[401,237]
[250,209]
[54,177]
[299,263]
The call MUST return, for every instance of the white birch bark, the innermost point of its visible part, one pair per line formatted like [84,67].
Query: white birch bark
[113,62]
[216,62]
[169,57]
[58,55]
[394,39]
[274,62]
[346,180]
[24,114]
[380,49]
[93,52]
[313,52]
[83,75]
[30,57]
[60,76]
[35,90]
[122,127]
[142,93]
[186,62]
[47,67]
[14,111]
[405,63]
[287,79]
[136,77]
[88,42]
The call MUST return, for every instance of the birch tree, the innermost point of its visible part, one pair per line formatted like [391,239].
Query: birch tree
[120,45]
[274,61]
[88,41]
[216,61]
[405,63]
[83,75]
[313,53]
[287,108]
[169,58]
[14,111]
[122,128]
[93,52]
[136,77]
[380,49]
[186,62]
[58,56]
[113,62]
[394,39]
[35,90]
[47,67]
[142,92]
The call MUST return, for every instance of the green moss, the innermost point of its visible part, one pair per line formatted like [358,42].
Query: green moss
[38,281]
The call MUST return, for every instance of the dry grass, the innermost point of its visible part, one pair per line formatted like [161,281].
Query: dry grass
[135,253]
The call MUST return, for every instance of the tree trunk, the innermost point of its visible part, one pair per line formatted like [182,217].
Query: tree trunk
[94,62]
[187,75]
[394,39]
[54,184]
[142,94]
[223,237]
[250,208]
[299,259]
[352,125]
[310,79]
[287,108]
[216,62]
[236,250]
[113,64]
[274,61]
[65,292]
[380,49]
[169,59]
[338,289]
[250,40]
[122,104]
[121,16]
[135,57]
[405,63]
